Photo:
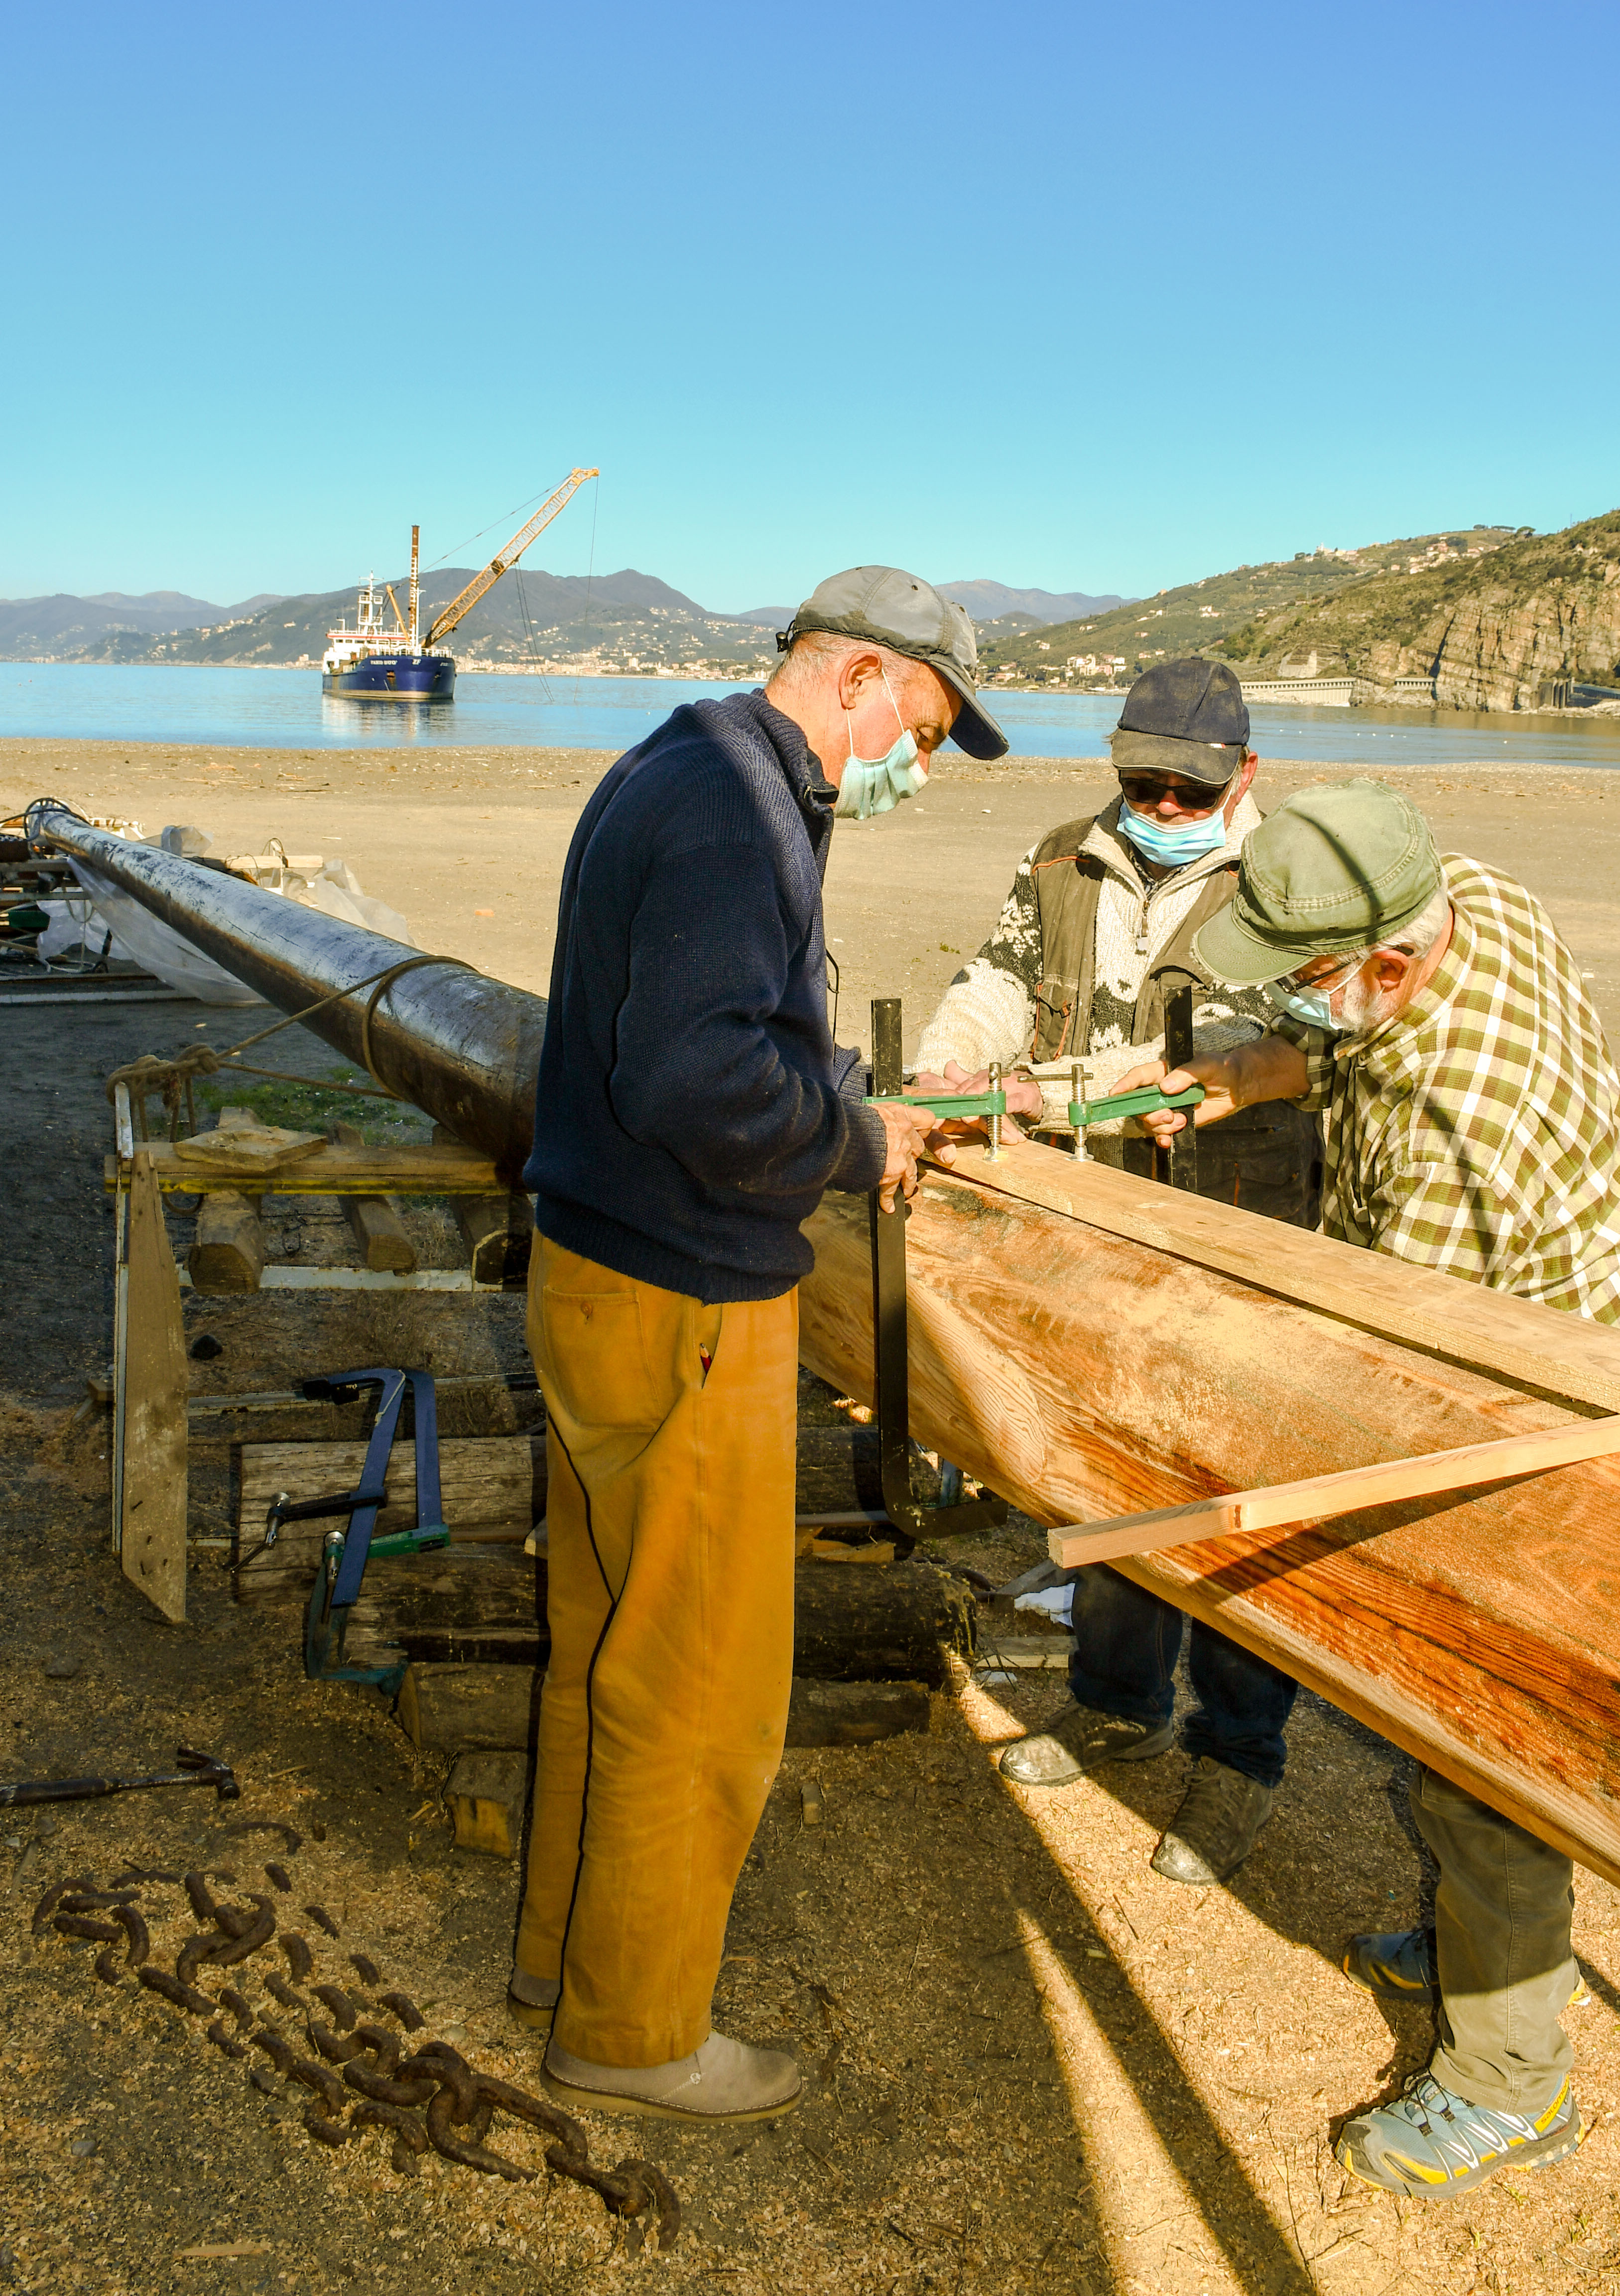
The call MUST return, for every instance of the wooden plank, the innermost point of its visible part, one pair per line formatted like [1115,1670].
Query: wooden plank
[1319,1497]
[424,1171]
[486,1795]
[151,1531]
[385,1247]
[1086,1372]
[1566,1355]
[486,1483]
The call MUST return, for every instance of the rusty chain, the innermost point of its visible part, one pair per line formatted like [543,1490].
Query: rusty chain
[358,2076]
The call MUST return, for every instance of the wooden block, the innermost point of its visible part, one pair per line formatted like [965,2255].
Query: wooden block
[834,1550]
[385,1247]
[474,1604]
[444,1709]
[487,1796]
[1318,1498]
[855,1713]
[228,1253]
[486,1483]
[499,1232]
[151,1531]
[874,1626]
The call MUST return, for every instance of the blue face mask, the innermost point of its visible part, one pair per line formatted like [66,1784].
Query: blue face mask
[1172,843]
[872,785]
[1313,1006]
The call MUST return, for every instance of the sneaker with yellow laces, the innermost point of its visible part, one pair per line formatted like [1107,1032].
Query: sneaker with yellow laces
[1432,2145]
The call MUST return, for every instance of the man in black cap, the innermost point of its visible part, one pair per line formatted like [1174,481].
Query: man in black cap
[691,1110]
[1094,938]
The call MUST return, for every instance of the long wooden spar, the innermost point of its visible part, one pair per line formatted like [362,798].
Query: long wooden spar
[1093,1346]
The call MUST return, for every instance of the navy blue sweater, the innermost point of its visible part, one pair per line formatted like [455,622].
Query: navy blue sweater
[691,1106]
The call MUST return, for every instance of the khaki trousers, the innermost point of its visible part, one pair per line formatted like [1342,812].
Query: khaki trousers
[1501,1933]
[671,1597]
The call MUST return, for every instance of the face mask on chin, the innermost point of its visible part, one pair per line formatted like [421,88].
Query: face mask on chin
[1173,844]
[870,785]
[1362,1008]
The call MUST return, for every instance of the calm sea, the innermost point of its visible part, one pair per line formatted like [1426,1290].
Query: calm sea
[285,709]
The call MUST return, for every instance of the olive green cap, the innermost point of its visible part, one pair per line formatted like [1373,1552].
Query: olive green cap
[1332,870]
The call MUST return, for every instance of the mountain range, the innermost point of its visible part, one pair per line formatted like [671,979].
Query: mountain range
[626,621]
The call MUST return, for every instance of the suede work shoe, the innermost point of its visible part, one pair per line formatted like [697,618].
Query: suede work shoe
[1080,1739]
[1214,1831]
[531,2001]
[722,2081]
[1393,1964]
[1433,2144]
[1402,1965]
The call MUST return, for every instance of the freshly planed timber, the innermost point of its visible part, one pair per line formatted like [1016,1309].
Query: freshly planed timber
[1093,1362]
[424,1171]
[1564,1355]
[485,1484]
[1286,1505]
[228,1253]
[451,1708]
[151,1531]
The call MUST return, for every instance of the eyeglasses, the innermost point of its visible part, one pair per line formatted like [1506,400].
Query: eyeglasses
[1328,980]
[1151,789]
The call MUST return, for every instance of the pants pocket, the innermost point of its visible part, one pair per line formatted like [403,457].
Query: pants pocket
[597,1355]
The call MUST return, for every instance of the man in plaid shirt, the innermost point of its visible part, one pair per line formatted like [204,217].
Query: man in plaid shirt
[1472,1121]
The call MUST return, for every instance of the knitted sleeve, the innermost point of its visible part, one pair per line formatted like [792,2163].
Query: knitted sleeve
[988,1013]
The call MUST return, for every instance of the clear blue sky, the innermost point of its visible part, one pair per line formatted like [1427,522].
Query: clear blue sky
[1077,297]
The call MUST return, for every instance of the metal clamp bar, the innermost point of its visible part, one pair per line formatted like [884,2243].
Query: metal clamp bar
[1146,1101]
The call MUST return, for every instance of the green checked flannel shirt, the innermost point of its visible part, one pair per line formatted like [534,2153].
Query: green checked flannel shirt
[1477,1132]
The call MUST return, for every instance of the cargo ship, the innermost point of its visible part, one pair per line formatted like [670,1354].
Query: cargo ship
[373,663]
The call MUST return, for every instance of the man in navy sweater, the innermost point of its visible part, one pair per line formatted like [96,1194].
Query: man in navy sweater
[691,1111]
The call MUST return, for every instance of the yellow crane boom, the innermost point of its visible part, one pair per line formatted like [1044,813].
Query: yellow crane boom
[459,607]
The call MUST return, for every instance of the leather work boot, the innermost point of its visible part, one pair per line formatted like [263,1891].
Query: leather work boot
[533,2001]
[1080,1739]
[723,2081]
[1214,1831]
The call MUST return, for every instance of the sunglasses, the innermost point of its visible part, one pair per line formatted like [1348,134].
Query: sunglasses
[1152,788]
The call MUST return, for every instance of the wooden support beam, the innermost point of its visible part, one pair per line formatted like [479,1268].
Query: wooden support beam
[425,1171]
[1319,1497]
[1093,1346]
[151,1531]
[499,1232]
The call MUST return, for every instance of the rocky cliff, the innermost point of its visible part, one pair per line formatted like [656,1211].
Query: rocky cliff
[1495,633]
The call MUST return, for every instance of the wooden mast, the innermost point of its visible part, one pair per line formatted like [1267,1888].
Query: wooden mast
[1072,1344]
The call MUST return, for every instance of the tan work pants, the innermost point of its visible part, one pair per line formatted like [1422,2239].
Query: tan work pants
[670,1533]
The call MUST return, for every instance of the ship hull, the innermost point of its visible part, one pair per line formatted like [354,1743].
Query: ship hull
[394,677]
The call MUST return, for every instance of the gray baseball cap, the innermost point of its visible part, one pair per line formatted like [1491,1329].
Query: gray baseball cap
[908,615]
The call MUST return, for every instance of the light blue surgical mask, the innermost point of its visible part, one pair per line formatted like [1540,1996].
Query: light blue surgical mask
[872,785]
[1172,843]
[1313,1006]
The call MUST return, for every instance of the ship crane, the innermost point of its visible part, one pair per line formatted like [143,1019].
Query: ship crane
[459,607]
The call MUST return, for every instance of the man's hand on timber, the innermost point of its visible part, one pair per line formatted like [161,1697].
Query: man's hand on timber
[910,1130]
[1022,1094]
[1271,1069]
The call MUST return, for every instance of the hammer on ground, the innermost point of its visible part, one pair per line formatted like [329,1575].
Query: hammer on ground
[195,1770]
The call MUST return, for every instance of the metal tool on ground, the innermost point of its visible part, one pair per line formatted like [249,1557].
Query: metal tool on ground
[910,1518]
[195,1770]
[345,1553]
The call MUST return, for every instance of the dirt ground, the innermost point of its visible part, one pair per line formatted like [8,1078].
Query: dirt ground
[1034,2063]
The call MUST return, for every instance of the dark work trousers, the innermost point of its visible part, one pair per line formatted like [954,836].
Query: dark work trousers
[1502,1934]
[1127,1641]
[1126,1644]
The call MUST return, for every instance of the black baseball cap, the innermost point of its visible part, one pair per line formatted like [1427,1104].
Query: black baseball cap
[908,615]
[1187,717]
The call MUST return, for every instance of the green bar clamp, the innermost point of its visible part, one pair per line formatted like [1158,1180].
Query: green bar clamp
[960,1104]
[412,1542]
[1147,1100]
